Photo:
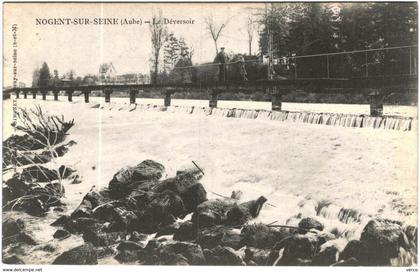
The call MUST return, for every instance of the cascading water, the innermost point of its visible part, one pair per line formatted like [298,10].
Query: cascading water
[330,119]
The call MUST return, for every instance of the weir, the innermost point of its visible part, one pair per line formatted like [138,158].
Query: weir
[330,119]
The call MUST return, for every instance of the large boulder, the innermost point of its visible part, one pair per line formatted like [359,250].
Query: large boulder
[132,254]
[120,218]
[14,232]
[296,248]
[212,212]
[262,236]
[181,182]
[192,252]
[61,234]
[308,223]
[222,256]
[129,245]
[186,232]
[128,178]
[13,260]
[226,212]
[89,202]
[193,196]
[326,257]
[161,207]
[15,187]
[383,239]
[98,238]
[137,237]
[355,249]
[83,224]
[219,235]
[11,227]
[84,254]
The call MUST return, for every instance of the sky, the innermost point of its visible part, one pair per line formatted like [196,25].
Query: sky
[84,47]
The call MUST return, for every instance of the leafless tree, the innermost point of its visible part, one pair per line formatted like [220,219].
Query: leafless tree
[158,33]
[215,29]
[251,27]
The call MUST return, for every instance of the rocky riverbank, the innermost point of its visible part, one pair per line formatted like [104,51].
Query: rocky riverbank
[141,219]
[134,225]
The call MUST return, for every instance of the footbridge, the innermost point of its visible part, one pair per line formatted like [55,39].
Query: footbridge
[374,73]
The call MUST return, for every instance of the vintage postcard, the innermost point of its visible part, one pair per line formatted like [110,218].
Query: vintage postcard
[238,134]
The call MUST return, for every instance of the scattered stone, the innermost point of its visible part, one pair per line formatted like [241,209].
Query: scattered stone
[55,188]
[219,235]
[76,180]
[12,227]
[186,232]
[85,224]
[167,229]
[103,252]
[236,195]
[61,221]
[65,171]
[84,254]
[222,256]
[310,223]
[13,260]
[255,256]
[137,237]
[58,209]
[129,245]
[127,256]
[47,247]
[326,257]
[61,234]
[98,238]
[190,251]
[321,237]
[19,238]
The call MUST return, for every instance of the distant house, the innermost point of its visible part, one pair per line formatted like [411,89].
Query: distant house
[107,72]
[108,75]
[133,78]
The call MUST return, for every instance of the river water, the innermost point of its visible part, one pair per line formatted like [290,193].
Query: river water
[298,167]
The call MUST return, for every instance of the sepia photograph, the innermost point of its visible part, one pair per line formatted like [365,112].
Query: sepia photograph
[210,134]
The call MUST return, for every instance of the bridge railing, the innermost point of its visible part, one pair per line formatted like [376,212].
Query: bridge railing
[358,70]
[369,63]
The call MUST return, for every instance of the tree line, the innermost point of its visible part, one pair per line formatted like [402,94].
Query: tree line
[312,28]
[43,78]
